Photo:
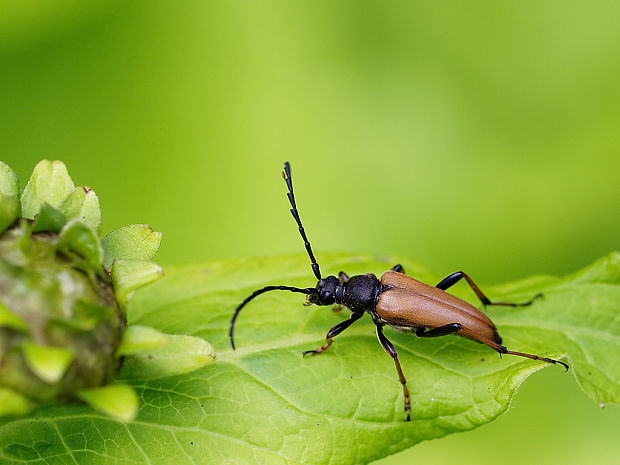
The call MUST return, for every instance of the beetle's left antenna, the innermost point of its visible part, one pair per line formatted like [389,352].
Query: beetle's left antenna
[258,292]
[286,174]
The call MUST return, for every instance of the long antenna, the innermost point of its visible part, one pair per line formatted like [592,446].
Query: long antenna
[258,292]
[286,174]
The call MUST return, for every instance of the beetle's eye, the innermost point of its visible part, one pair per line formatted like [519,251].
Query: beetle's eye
[325,297]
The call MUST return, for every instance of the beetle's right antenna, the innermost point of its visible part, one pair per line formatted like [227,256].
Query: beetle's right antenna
[286,174]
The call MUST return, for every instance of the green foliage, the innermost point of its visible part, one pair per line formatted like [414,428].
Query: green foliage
[82,203]
[131,242]
[129,275]
[50,182]
[115,400]
[10,206]
[62,316]
[153,354]
[264,403]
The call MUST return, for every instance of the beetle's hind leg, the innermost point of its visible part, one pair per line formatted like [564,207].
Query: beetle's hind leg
[391,351]
[438,332]
[335,331]
[450,329]
[500,348]
[454,278]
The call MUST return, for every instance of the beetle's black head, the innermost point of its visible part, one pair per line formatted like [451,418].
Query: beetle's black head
[325,291]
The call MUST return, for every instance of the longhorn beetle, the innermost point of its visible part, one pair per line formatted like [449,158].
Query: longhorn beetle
[397,300]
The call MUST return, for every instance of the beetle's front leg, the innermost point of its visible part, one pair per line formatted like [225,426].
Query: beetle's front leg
[391,351]
[335,331]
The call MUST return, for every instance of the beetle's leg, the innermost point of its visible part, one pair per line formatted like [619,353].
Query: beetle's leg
[438,332]
[335,331]
[502,350]
[456,277]
[398,268]
[391,351]
[449,329]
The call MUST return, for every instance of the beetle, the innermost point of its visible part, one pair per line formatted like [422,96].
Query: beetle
[396,300]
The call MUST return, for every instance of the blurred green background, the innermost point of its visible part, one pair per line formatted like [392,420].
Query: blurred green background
[481,136]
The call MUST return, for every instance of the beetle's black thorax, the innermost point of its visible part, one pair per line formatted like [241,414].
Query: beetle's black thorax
[360,292]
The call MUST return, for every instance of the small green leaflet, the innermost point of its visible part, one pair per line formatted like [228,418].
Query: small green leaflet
[266,404]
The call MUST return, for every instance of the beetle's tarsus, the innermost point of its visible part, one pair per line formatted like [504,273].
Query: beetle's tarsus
[323,348]
[540,295]
[555,362]
[535,357]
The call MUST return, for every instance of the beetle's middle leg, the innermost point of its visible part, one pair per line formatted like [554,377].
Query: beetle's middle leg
[454,278]
[335,331]
[391,351]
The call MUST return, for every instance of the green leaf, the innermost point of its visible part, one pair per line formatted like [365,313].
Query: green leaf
[50,182]
[12,403]
[48,219]
[9,211]
[129,275]
[10,206]
[179,354]
[138,339]
[9,184]
[8,319]
[48,363]
[79,238]
[265,403]
[115,400]
[132,242]
[83,204]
